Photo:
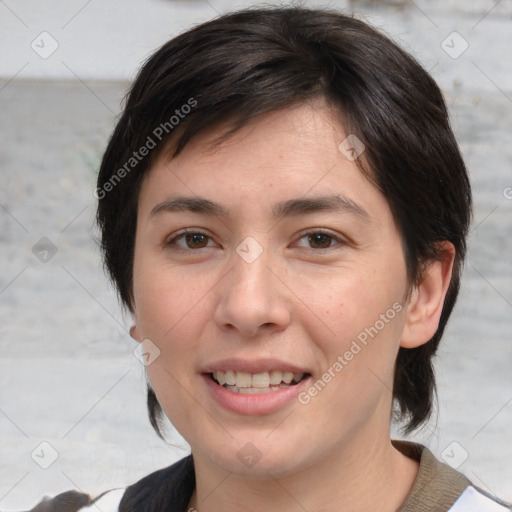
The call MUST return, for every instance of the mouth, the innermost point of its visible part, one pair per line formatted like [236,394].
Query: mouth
[256,383]
[254,387]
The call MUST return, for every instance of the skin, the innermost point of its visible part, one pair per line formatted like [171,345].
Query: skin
[302,300]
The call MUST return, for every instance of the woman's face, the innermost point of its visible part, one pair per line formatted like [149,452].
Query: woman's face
[291,266]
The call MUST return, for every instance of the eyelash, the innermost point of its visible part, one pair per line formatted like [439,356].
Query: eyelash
[171,243]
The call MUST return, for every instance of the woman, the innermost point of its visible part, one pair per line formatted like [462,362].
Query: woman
[283,209]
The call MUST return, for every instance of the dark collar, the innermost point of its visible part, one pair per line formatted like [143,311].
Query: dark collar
[169,490]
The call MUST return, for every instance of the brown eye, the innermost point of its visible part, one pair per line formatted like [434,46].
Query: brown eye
[196,240]
[320,240]
[189,241]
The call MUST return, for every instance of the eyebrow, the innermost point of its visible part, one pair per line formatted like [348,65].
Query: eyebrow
[291,207]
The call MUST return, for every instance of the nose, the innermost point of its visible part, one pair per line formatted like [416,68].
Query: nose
[253,299]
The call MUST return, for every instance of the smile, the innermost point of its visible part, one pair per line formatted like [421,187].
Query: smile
[256,383]
[254,387]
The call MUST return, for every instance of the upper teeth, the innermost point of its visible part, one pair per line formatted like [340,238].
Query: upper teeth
[255,380]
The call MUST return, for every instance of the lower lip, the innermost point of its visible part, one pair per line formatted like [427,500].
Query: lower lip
[254,404]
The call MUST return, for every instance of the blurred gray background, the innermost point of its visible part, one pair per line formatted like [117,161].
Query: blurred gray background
[72,396]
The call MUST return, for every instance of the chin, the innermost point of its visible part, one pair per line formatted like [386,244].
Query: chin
[257,458]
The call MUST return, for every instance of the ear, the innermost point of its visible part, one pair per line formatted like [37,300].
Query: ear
[427,299]
[135,329]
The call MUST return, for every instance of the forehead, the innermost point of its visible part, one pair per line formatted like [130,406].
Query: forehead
[296,152]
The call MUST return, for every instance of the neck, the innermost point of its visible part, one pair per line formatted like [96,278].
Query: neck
[354,477]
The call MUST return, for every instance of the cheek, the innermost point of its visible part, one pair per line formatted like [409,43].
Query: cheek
[170,314]
[358,330]
[172,388]
[355,378]
[165,299]
[349,305]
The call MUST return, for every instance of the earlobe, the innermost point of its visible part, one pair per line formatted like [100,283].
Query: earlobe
[134,329]
[427,299]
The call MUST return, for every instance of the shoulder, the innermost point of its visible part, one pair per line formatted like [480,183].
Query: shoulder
[74,501]
[166,489]
[107,502]
[441,488]
[476,500]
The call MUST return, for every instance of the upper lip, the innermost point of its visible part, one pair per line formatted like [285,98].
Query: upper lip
[252,366]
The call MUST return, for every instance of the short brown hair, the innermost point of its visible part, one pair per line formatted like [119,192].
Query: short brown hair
[257,61]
